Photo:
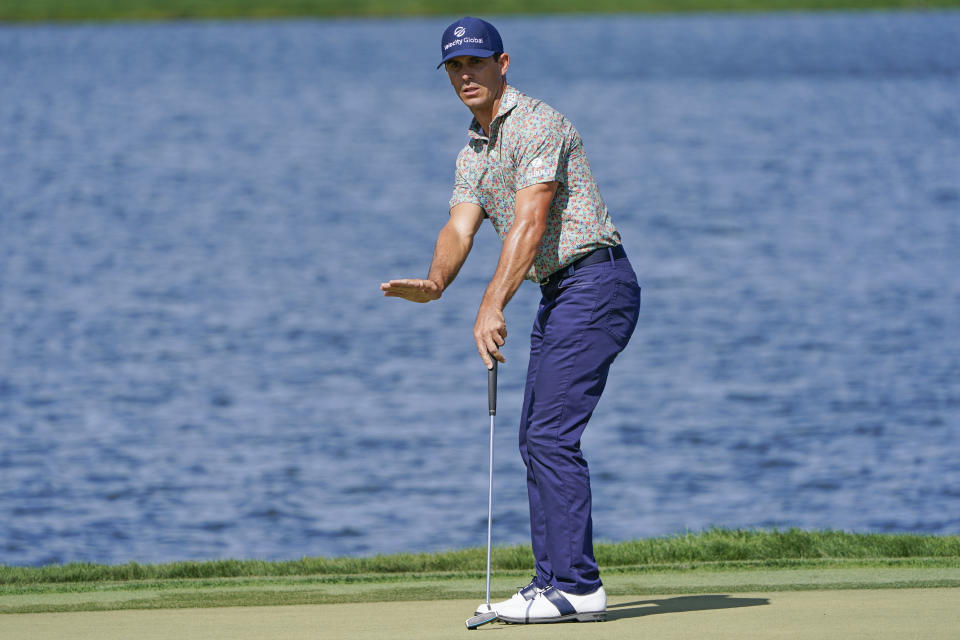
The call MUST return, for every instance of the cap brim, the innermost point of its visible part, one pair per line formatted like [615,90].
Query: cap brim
[480,53]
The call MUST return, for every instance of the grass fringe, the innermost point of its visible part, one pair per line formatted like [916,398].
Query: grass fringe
[719,546]
[106,10]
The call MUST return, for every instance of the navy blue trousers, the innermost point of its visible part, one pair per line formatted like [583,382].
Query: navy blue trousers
[584,320]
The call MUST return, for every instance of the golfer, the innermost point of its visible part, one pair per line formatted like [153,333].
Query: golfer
[524,167]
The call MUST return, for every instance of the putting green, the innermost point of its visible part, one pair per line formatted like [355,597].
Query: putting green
[874,614]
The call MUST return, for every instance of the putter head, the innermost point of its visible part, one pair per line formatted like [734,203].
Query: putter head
[481,619]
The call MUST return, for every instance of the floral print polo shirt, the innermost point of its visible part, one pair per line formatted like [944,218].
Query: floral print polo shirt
[530,143]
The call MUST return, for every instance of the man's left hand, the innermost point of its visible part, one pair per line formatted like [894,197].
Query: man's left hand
[490,333]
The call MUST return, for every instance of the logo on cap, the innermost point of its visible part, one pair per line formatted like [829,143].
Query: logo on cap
[459,31]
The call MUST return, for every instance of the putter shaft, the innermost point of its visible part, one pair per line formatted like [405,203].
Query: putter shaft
[490,509]
[492,407]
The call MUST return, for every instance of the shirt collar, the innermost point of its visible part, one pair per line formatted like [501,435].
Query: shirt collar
[509,100]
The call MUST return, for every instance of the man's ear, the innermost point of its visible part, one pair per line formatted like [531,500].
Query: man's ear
[504,63]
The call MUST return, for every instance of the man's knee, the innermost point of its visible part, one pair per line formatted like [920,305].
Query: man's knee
[549,450]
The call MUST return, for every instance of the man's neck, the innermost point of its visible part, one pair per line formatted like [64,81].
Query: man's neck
[485,116]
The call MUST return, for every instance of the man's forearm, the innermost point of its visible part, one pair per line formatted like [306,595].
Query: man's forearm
[453,245]
[449,254]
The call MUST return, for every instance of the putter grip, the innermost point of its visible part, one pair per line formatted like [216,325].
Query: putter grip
[492,389]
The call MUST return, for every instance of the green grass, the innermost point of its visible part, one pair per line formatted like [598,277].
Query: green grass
[714,546]
[69,10]
[710,561]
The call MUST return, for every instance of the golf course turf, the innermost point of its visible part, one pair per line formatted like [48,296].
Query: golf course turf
[722,583]
[885,614]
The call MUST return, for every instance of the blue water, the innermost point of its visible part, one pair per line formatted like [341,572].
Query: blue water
[196,361]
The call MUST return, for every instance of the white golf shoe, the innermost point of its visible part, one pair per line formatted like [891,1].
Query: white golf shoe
[523,594]
[553,605]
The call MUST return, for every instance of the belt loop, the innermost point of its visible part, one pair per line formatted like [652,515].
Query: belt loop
[610,253]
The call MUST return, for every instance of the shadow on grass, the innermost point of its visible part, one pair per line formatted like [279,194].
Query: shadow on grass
[679,604]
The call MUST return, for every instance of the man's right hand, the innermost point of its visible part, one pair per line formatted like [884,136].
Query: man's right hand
[415,290]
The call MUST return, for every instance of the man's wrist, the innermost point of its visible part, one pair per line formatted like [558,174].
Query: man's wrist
[488,304]
[438,286]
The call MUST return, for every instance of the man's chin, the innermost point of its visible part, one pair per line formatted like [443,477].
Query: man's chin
[472,100]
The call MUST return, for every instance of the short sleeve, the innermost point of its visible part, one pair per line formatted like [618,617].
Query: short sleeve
[463,190]
[542,155]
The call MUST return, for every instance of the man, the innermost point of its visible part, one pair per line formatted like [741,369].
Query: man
[524,168]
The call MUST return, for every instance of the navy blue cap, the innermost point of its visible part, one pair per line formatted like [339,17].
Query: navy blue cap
[470,37]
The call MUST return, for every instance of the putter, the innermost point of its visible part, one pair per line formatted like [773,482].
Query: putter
[489,615]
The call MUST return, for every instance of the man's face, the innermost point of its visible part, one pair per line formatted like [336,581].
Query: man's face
[478,81]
